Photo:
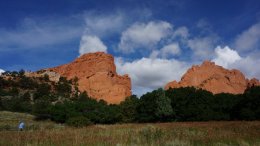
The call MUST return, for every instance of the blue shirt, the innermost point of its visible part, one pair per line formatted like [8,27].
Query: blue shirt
[21,125]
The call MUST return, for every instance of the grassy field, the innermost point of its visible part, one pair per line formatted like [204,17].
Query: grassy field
[177,134]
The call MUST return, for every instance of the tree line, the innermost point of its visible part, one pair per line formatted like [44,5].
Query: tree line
[62,103]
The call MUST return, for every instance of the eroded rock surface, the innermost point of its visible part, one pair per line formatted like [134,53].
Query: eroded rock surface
[215,79]
[96,73]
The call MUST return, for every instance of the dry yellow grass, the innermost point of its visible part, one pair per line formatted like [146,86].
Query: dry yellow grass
[177,133]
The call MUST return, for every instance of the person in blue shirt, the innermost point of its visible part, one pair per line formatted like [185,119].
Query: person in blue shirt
[21,126]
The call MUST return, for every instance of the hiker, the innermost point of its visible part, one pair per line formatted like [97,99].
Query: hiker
[21,126]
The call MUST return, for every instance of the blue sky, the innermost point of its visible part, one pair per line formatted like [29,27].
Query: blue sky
[153,41]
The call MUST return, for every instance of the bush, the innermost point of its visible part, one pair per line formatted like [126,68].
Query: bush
[41,109]
[79,121]
[44,89]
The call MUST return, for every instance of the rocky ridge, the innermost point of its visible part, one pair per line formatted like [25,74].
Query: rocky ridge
[96,74]
[215,79]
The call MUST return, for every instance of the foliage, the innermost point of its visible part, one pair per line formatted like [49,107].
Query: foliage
[128,109]
[27,83]
[62,102]
[248,107]
[79,121]
[41,109]
[63,86]
[154,106]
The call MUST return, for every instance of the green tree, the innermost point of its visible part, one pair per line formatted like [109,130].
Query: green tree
[63,87]
[163,103]
[61,112]
[21,73]
[154,106]
[26,96]
[41,109]
[79,121]
[46,78]
[128,108]
[43,89]
[27,83]
[223,105]
[248,108]
[190,104]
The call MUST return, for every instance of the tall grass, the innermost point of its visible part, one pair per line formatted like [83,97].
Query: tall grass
[176,134]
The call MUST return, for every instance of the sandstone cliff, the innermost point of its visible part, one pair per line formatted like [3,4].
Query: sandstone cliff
[215,79]
[96,73]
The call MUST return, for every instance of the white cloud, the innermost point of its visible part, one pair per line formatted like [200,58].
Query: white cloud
[104,25]
[1,71]
[112,23]
[248,66]
[225,56]
[154,54]
[33,33]
[144,35]
[230,58]
[166,51]
[171,49]
[181,32]
[91,44]
[148,74]
[249,39]
[203,47]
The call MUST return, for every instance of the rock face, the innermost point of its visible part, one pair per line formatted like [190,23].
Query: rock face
[53,76]
[96,73]
[215,79]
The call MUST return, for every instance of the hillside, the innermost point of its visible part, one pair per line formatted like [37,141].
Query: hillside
[19,92]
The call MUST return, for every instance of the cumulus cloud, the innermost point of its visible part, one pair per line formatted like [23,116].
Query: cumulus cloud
[248,66]
[171,49]
[104,25]
[225,56]
[166,51]
[1,71]
[143,35]
[90,44]
[148,74]
[230,58]
[182,32]
[108,24]
[203,47]
[249,39]
[154,54]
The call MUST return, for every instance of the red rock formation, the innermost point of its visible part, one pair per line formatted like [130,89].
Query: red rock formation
[97,75]
[215,79]
[253,82]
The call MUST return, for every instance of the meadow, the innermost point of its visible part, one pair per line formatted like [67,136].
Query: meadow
[47,133]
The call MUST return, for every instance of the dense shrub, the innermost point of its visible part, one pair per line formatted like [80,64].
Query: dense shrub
[154,106]
[79,121]
[27,83]
[128,109]
[43,89]
[41,109]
